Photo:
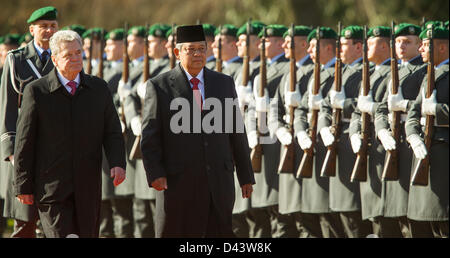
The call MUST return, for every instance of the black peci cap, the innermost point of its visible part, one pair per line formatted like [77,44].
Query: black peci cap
[190,33]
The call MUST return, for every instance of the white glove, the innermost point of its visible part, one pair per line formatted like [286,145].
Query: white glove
[284,136]
[429,104]
[262,103]
[365,103]
[244,94]
[419,148]
[11,158]
[386,139]
[314,101]
[396,102]
[141,90]
[356,142]
[304,140]
[124,89]
[136,125]
[292,98]
[327,136]
[252,139]
[337,99]
[122,126]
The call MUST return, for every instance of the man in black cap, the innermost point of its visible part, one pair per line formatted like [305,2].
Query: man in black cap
[23,66]
[192,170]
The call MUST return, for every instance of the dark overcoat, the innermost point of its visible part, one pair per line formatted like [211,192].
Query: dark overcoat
[198,166]
[59,140]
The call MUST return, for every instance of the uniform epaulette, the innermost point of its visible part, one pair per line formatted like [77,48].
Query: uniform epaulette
[16,50]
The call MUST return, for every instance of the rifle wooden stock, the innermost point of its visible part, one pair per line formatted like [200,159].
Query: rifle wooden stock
[135,152]
[257,152]
[172,46]
[305,170]
[100,63]
[89,65]
[422,169]
[125,72]
[219,52]
[329,164]
[287,163]
[390,169]
[359,171]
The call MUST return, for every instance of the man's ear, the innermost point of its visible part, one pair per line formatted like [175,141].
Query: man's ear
[176,52]
[31,29]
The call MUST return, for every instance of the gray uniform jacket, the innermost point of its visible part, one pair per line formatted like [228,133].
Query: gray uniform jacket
[430,203]
[289,198]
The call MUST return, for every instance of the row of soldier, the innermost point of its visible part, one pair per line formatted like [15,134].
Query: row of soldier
[284,204]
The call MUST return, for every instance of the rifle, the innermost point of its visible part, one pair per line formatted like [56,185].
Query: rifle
[360,168]
[172,45]
[288,156]
[102,48]
[329,163]
[422,170]
[89,65]
[257,152]
[135,152]
[246,62]
[390,169]
[305,169]
[219,53]
[125,72]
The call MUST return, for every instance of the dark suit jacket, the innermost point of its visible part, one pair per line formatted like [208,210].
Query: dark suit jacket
[198,166]
[59,144]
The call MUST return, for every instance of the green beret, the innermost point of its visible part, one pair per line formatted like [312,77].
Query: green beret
[44,13]
[115,34]
[158,30]
[226,29]
[325,33]
[353,32]
[446,24]
[11,39]
[255,28]
[97,30]
[274,30]
[379,31]
[405,29]
[138,31]
[209,29]
[438,33]
[1,40]
[27,37]
[298,31]
[169,31]
[80,29]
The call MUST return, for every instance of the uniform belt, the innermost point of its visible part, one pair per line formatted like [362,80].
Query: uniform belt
[424,119]
[345,120]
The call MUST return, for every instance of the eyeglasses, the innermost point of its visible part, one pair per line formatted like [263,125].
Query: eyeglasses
[192,51]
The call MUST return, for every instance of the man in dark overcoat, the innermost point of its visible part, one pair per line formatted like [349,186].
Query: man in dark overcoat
[66,118]
[192,170]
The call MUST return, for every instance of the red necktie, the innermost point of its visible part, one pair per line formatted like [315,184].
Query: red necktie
[73,87]
[197,93]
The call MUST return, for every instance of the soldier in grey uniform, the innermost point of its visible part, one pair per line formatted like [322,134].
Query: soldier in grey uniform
[240,217]
[144,207]
[143,224]
[209,31]
[371,193]
[290,222]
[264,201]
[315,190]
[428,205]
[23,66]
[344,195]
[231,61]
[389,200]
[92,36]
[7,43]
